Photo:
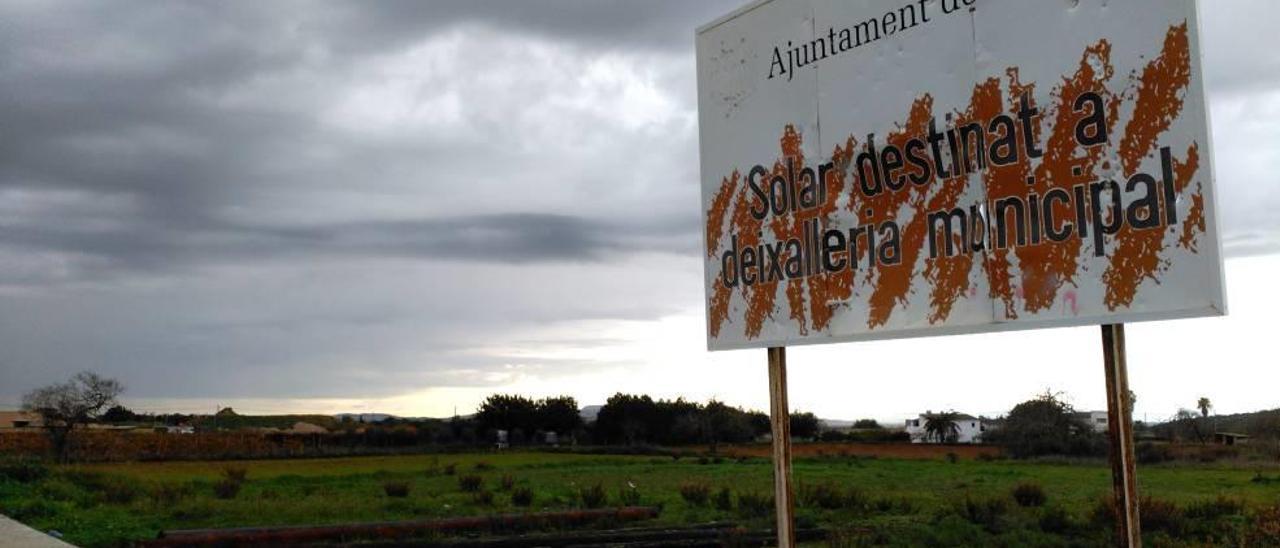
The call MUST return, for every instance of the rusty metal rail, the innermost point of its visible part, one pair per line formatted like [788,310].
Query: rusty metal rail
[259,536]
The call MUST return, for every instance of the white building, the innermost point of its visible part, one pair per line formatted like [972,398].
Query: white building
[968,427]
[1096,419]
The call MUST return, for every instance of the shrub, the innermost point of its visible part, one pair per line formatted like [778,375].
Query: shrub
[483,498]
[1215,508]
[169,493]
[704,460]
[592,496]
[521,496]
[507,482]
[470,483]
[1153,453]
[952,457]
[1264,528]
[723,500]
[987,513]
[628,495]
[235,473]
[695,493]
[754,504]
[226,489]
[1161,515]
[482,466]
[450,469]
[396,489]
[829,496]
[1029,494]
[1055,520]
[22,469]
[120,491]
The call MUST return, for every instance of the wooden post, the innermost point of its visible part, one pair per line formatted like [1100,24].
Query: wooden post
[1120,434]
[780,420]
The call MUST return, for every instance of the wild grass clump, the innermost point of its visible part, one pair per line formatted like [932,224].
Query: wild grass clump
[169,493]
[986,513]
[507,482]
[695,493]
[755,504]
[482,466]
[1056,520]
[522,496]
[470,483]
[396,489]
[723,500]
[450,469]
[233,478]
[629,495]
[483,497]
[592,496]
[830,496]
[1028,494]
[23,469]
[1215,508]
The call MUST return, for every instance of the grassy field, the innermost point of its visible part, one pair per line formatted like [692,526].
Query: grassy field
[879,500]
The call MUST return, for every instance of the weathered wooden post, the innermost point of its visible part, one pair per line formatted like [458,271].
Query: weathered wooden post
[780,422]
[1120,436]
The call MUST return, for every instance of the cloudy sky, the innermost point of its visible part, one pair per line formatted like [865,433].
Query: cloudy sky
[405,206]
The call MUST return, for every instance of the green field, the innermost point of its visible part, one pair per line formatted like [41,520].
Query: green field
[882,500]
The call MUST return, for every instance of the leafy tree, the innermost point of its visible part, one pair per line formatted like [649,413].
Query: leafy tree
[805,425]
[625,418]
[942,427]
[1046,425]
[513,413]
[1204,405]
[867,424]
[559,414]
[120,413]
[65,406]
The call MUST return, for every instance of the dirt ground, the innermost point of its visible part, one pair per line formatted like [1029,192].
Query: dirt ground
[887,450]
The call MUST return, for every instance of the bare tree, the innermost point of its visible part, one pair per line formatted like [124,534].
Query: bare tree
[65,406]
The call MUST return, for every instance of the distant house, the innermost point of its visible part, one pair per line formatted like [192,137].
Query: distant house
[1096,419]
[969,428]
[19,420]
[1229,438]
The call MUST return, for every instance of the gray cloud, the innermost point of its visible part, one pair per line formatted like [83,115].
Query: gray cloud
[298,198]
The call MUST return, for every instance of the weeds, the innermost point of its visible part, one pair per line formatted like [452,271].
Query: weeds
[695,493]
[396,489]
[1028,495]
[521,496]
[470,483]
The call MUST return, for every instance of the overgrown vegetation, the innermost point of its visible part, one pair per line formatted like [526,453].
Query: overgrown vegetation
[880,501]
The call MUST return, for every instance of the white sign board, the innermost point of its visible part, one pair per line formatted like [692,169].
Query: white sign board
[884,169]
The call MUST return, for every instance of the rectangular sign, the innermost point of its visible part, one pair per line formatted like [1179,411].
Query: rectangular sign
[883,169]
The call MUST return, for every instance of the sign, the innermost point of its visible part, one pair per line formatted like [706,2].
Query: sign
[886,169]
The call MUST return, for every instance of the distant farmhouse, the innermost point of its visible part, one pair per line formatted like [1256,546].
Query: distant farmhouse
[19,420]
[968,427]
[1096,419]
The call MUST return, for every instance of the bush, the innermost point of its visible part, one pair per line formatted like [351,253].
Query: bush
[1161,515]
[1215,508]
[1264,528]
[483,466]
[396,489]
[987,513]
[450,469]
[1153,453]
[235,473]
[695,493]
[169,493]
[120,491]
[755,504]
[723,500]
[1056,520]
[470,483]
[507,482]
[628,495]
[521,496]
[952,457]
[23,470]
[592,496]
[483,498]
[1029,494]
[226,489]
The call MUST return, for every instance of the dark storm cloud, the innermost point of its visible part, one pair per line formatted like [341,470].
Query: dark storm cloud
[347,198]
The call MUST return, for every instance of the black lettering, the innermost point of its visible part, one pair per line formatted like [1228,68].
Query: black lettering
[1051,226]
[1100,226]
[1145,211]
[1096,120]
[756,173]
